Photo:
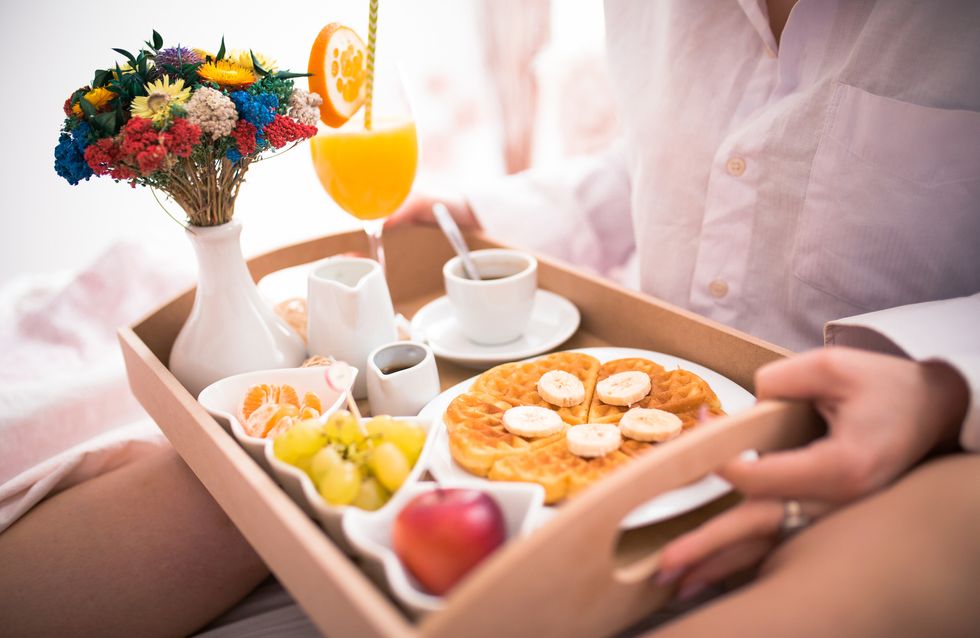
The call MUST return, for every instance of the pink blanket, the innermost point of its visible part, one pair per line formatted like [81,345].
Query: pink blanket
[66,412]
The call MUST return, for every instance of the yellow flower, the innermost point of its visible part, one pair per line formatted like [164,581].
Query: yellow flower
[226,74]
[97,97]
[244,59]
[161,94]
[203,53]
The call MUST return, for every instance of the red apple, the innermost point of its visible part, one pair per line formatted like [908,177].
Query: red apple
[441,535]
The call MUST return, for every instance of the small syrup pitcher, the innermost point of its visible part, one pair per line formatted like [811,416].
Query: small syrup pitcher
[349,312]
[401,378]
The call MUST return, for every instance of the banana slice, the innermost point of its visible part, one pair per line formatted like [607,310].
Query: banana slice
[532,421]
[561,388]
[623,388]
[650,424]
[593,439]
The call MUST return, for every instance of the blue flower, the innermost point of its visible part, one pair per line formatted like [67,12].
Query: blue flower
[233,154]
[258,110]
[69,155]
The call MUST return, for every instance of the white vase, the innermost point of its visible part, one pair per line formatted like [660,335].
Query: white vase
[231,329]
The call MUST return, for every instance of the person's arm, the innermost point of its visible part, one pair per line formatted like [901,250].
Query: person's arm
[886,410]
[577,211]
[946,332]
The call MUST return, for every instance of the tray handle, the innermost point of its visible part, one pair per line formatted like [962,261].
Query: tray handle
[564,579]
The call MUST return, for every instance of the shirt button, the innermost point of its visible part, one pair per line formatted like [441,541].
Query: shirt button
[735,166]
[718,288]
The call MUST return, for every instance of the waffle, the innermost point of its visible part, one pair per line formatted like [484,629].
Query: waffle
[679,391]
[560,472]
[479,442]
[517,383]
[477,438]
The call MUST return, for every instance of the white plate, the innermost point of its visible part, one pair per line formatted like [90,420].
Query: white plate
[553,320]
[370,534]
[287,283]
[734,398]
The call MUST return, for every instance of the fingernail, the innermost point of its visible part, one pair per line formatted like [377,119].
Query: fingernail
[691,590]
[668,576]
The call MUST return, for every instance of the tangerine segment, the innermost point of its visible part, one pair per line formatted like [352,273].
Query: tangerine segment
[311,400]
[266,405]
[337,65]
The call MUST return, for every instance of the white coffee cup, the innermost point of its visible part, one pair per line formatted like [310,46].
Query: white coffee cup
[496,308]
[401,378]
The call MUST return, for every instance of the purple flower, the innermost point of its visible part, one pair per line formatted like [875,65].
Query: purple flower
[175,57]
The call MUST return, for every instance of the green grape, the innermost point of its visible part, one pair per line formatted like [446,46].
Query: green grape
[321,463]
[350,432]
[341,483]
[371,496]
[334,424]
[379,425]
[299,443]
[408,437]
[389,464]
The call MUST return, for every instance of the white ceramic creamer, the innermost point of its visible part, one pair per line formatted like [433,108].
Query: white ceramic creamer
[349,312]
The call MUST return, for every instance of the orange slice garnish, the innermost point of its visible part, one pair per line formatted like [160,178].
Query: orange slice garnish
[338,64]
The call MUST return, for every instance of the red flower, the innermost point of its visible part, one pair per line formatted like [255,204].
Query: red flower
[138,135]
[150,159]
[244,136]
[282,130]
[181,137]
[102,155]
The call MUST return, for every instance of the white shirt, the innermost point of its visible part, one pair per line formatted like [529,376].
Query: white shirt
[776,188]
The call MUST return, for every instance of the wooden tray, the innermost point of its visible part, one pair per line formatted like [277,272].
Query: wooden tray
[576,576]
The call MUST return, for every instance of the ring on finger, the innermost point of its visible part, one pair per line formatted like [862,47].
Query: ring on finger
[794,519]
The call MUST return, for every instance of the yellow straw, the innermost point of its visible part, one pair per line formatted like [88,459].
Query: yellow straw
[372,37]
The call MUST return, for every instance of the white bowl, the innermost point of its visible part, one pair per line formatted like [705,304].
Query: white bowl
[370,534]
[223,400]
[300,488]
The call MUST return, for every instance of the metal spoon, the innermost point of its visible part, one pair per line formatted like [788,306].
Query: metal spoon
[452,232]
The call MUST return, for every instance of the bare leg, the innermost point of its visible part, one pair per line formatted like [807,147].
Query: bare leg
[904,562]
[143,550]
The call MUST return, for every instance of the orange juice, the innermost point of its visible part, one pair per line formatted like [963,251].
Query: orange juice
[367,172]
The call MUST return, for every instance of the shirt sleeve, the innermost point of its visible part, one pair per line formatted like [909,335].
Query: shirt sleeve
[577,211]
[947,331]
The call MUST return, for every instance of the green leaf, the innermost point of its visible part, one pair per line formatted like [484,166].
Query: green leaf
[221,50]
[288,75]
[102,77]
[255,64]
[87,108]
[157,40]
[129,56]
[106,122]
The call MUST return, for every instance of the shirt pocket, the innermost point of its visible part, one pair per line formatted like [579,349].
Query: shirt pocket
[892,208]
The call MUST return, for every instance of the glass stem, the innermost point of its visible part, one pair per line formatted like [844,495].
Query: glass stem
[373,229]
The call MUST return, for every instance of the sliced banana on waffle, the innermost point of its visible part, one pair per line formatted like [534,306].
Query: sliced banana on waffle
[623,388]
[532,421]
[650,424]
[561,388]
[593,439]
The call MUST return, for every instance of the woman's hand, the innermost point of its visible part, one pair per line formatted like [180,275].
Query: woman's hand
[417,209]
[883,413]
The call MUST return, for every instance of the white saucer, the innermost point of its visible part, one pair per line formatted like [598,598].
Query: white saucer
[553,320]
